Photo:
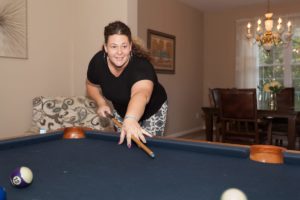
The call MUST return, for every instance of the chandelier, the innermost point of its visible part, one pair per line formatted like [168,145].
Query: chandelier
[267,37]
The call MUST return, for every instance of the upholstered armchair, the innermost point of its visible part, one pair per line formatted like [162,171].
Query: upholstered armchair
[53,113]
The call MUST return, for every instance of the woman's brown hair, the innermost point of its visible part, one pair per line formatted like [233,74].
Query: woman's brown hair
[121,28]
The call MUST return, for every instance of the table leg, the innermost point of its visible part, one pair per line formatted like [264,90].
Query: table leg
[209,126]
[291,132]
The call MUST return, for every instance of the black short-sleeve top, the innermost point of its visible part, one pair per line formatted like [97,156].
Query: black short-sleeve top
[118,89]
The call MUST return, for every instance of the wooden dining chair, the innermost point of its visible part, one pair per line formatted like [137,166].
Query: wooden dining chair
[238,115]
[285,100]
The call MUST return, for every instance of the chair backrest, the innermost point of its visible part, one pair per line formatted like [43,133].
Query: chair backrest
[215,96]
[210,97]
[238,104]
[286,98]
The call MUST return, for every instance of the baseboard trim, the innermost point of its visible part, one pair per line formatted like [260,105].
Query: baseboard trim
[181,133]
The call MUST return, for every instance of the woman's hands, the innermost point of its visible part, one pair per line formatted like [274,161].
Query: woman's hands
[140,95]
[130,128]
[103,109]
[94,91]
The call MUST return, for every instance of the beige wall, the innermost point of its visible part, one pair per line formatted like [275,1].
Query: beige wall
[219,42]
[45,72]
[184,88]
[62,37]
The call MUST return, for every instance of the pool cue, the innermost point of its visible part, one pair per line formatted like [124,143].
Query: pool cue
[138,142]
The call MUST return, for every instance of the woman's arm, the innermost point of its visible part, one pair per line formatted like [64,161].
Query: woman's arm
[141,93]
[94,92]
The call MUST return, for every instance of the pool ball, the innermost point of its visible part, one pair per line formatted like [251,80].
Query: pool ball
[2,193]
[21,177]
[233,194]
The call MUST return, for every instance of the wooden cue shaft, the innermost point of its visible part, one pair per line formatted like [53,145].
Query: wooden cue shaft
[138,142]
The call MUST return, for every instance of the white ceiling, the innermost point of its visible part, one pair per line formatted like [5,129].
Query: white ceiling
[215,5]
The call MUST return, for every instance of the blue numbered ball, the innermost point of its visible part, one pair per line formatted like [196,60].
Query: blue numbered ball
[21,177]
[2,193]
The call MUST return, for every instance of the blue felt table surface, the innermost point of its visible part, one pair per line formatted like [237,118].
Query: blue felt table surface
[98,168]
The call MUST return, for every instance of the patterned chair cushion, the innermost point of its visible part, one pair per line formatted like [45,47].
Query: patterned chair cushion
[52,113]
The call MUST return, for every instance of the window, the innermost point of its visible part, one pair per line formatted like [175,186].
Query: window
[295,65]
[282,63]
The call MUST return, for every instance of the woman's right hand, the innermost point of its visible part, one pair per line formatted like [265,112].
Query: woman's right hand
[95,93]
[103,109]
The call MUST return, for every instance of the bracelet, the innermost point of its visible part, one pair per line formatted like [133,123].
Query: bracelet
[130,117]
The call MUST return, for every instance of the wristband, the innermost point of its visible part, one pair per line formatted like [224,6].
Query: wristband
[130,117]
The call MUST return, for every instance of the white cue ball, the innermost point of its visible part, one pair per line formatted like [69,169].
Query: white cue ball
[26,174]
[233,194]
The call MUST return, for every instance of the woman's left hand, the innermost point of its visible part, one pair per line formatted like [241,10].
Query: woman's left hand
[132,128]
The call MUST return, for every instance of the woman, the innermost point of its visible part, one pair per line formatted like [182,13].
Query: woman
[126,77]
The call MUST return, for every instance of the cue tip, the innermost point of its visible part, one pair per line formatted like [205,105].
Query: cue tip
[152,155]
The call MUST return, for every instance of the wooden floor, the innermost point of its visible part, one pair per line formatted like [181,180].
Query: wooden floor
[194,136]
[201,136]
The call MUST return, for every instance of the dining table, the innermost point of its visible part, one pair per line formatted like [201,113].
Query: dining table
[291,114]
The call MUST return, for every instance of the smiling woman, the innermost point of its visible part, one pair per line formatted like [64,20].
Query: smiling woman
[127,78]
[13,41]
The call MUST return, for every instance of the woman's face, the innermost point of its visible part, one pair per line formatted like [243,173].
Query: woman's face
[118,50]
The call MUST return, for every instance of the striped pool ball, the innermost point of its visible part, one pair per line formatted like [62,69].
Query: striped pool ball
[21,177]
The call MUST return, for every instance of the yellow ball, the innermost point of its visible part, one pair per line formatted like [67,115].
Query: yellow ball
[233,194]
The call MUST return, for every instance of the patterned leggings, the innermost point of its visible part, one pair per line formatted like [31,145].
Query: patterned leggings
[155,125]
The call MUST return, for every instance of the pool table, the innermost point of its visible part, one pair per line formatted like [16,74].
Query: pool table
[96,167]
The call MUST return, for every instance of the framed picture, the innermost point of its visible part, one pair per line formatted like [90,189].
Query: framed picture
[162,51]
[13,28]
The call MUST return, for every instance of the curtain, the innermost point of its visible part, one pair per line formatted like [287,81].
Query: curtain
[246,71]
